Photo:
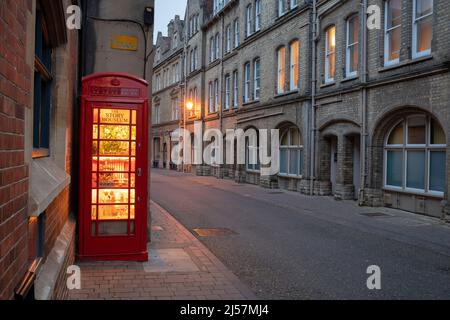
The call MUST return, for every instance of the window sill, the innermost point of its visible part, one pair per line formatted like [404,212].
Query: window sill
[40,153]
[405,63]
[287,176]
[414,192]
[285,94]
[46,183]
[350,78]
[249,103]
[328,84]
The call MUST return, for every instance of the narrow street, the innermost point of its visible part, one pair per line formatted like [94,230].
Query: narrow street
[284,245]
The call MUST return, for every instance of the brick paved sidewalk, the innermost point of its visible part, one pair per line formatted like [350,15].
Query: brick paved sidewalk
[179,267]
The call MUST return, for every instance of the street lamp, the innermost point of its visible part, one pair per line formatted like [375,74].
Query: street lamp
[189,105]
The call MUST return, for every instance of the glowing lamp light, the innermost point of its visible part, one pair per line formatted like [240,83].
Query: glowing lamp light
[189,105]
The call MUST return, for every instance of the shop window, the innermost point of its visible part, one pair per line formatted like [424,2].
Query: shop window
[415,155]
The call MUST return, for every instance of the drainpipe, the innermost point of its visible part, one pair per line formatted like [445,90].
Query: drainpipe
[364,135]
[313,98]
[315,39]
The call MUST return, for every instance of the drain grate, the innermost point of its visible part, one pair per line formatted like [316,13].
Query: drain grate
[213,232]
[374,214]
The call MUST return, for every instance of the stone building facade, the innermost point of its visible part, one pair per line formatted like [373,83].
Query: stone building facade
[38,91]
[168,93]
[362,112]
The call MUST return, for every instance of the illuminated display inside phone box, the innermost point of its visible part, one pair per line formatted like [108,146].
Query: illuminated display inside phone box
[113,188]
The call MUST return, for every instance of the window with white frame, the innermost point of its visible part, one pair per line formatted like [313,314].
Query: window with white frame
[216,95]
[195,101]
[228,39]
[227,92]
[157,114]
[281,70]
[415,156]
[175,41]
[248,20]
[211,49]
[294,49]
[294,4]
[247,83]
[236,34]
[281,7]
[252,161]
[330,55]
[211,97]
[393,31]
[422,27]
[235,89]
[256,79]
[352,47]
[257,15]
[217,46]
[175,109]
[291,153]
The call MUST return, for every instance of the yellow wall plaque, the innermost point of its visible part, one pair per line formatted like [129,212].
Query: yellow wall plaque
[121,42]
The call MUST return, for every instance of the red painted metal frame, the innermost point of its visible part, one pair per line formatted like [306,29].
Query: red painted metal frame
[117,91]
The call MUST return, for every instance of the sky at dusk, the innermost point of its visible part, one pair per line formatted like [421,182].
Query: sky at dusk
[165,10]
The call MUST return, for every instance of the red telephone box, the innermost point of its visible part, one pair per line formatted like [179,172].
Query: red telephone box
[113,168]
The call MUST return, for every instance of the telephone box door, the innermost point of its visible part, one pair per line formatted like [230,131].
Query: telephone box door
[115,186]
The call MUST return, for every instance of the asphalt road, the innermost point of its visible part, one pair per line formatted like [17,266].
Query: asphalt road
[290,246]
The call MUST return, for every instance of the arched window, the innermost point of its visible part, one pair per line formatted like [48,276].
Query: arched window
[415,156]
[291,153]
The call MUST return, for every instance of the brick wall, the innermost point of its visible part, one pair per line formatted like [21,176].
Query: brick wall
[14,98]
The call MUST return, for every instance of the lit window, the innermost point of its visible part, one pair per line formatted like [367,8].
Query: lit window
[294,70]
[247,82]
[393,32]
[291,153]
[330,57]
[415,156]
[422,27]
[352,55]
[281,73]
[257,79]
